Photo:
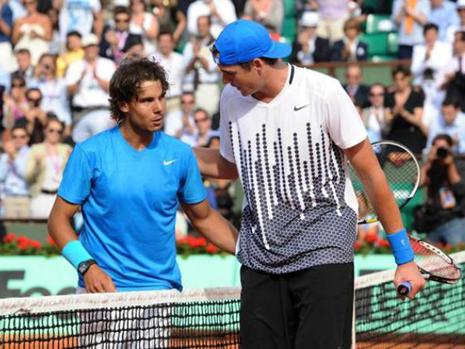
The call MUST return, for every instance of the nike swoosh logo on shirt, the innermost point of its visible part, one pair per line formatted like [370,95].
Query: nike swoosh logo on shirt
[168,162]
[299,108]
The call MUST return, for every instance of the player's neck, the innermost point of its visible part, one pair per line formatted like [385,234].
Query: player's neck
[137,138]
[274,82]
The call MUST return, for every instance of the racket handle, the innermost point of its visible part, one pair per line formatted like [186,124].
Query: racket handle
[404,288]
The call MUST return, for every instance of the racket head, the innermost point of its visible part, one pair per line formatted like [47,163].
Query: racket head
[433,263]
[402,173]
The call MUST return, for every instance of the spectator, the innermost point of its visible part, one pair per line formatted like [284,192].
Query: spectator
[202,75]
[410,17]
[45,166]
[73,52]
[17,8]
[357,91]
[452,78]
[429,57]
[56,45]
[374,116]
[180,123]
[350,48]
[33,32]
[92,123]
[88,79]
[54,92]
[444,15]
[203,124]
[15,189]
[144,23]
[115,36]
[36,117]
[460,26]
[15,103]
[442,216]
[427,61]
[84,16]
[221,13]
[173,63]
[268,12]
[404,112]
[170,18]
[309,48]
[333,14]
[134,47]
[24,64]
[451,122]
[6,28]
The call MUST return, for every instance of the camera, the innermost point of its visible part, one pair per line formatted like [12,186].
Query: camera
[442,153]
[428,74]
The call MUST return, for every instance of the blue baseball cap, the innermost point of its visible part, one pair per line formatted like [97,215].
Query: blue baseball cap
[242,41]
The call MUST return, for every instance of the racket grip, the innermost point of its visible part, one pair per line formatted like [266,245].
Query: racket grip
[404,288]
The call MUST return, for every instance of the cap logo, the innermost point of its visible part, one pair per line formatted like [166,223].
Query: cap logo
[215,53]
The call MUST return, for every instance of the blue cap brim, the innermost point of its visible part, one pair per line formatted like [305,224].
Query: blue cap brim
[278,50]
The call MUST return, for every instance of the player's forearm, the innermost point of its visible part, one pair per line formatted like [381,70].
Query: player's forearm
[382,199]
[60,229]
[218,230]
[213,165]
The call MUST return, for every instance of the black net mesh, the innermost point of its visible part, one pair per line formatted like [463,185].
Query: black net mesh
[435,319]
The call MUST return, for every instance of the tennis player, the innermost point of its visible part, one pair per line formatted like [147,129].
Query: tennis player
[128,181]
[288,132]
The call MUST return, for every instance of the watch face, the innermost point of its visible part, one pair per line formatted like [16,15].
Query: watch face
[82,267]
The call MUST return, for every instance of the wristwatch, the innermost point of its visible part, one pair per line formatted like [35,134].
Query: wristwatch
[83,267]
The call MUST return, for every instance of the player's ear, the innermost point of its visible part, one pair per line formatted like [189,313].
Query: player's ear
[124,107]
[257,64]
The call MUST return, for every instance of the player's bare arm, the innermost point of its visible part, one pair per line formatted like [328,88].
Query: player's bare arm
[211,224]
[364,162]
[213,165]
[60,229]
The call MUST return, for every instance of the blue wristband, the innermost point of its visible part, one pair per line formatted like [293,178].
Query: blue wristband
[401,248]
[75,253]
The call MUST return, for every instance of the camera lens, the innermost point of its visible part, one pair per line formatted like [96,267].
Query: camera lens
[442,152]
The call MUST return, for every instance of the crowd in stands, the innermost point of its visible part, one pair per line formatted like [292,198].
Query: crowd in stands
[58,56]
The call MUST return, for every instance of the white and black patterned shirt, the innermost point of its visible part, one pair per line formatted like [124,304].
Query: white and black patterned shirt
[300,207]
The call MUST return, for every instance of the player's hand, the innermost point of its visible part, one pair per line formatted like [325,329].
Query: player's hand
[410,272]
[96,280]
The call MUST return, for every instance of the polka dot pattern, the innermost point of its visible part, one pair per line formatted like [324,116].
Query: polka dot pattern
[296,216]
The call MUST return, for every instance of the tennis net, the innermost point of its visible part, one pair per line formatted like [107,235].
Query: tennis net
[209,318]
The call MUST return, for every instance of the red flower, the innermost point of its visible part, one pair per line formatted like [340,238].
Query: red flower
[35,244]
[371,237]
[212,249]
[357,245]
[10,237]
[383,243]
[197,242]
[23,243]
[50,240]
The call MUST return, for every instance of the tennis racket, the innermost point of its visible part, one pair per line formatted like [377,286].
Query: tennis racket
[433,264]
[402,173]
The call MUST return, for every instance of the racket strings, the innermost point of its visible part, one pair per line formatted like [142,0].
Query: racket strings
[402,174]
[436,265]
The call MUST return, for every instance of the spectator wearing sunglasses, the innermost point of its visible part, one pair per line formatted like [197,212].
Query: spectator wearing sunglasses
[15,103]
[374,116]
[45,166]
[15,189]
[36,117]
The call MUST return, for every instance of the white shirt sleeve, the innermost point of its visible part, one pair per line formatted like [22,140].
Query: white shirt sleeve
[342,121]
[226,148]
[73,73]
